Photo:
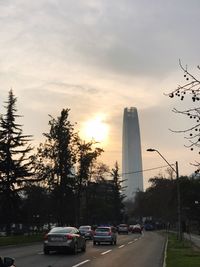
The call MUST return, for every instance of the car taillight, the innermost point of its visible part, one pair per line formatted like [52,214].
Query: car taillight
[69,237]
[109,233]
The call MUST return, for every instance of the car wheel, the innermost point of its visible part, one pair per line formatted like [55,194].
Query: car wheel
[46,251]
[83,249]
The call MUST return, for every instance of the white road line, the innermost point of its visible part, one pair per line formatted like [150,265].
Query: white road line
[105,252]
[121,246]
[130,242]
[81,263]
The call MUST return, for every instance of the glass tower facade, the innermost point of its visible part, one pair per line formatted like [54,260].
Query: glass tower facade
[131,154]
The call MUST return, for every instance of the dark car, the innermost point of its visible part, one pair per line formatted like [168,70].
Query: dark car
[7,262]
[64,239]
[86,231]
[105,234]
[149,227]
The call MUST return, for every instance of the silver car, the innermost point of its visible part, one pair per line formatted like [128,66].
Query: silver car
[105,234]
[64,239]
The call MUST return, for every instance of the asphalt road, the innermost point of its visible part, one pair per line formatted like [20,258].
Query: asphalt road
[133,250]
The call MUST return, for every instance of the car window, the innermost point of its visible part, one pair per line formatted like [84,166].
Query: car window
[102,230]
[84,228]
[62,230]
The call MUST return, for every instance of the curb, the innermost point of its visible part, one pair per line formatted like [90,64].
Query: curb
[165,252]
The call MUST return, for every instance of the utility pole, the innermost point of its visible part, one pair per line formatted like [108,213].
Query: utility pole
[178,190]
[178,203]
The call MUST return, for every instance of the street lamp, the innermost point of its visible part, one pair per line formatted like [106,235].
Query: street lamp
[178,189]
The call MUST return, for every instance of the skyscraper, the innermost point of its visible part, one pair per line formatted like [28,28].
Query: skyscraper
[131,154]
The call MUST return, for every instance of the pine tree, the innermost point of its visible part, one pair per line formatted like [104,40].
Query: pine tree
[15,162]
[117,193]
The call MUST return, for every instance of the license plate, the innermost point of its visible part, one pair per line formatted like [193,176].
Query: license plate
[56,239]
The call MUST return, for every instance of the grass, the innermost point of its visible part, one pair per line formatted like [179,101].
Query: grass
[181,253]
[20,239]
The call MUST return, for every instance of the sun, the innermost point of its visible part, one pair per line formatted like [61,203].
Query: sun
[95,129]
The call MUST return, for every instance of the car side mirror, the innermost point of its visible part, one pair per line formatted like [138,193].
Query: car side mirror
[8,261]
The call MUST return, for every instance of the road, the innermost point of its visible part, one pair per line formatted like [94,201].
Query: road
[133,250]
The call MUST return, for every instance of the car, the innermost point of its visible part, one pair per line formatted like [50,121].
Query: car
[64,239]
[130,227]
[105,234]
[7,262]
[137,229]
[86,231]
[123,228]
[149,227]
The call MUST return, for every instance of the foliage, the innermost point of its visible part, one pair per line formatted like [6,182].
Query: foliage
[20,239]
[118,197]
[159,201]
[181,253]
[62,183]
[15,163]
[190,87]
[86,156]
[57,157]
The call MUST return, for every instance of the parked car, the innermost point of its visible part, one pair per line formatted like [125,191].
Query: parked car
[63,239]
[130,227]
[105,234]
[86,231]
[149,227]
[137,228]
[123,228]
[7,262]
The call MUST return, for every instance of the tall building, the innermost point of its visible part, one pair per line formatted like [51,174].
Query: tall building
[131,154]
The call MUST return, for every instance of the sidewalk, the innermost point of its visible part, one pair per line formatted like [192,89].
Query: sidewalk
[195,239]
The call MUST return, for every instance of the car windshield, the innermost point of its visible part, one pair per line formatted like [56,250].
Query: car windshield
[61,230]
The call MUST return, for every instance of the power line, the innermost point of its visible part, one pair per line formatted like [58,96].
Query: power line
[145,170]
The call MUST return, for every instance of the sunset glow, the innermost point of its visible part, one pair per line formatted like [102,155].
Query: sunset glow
[95,129]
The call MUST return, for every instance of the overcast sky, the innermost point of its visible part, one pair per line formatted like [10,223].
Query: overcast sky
[100,56]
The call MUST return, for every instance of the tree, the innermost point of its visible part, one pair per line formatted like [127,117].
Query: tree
[117,193]
[86,156]
[15,162]
[56,158]
[190,87]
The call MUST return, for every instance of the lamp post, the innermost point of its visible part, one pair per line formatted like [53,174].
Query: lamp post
[178,189]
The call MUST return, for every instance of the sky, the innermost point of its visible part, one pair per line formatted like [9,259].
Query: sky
[97,57]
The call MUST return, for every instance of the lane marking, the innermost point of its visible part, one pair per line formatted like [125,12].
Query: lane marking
[81,263]
[121,246]
[130,242]
[105,252]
